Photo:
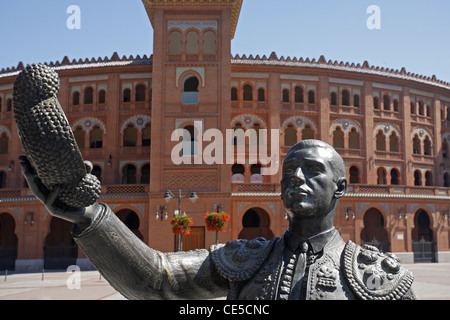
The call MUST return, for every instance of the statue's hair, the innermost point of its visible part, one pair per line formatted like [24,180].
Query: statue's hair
[335,160]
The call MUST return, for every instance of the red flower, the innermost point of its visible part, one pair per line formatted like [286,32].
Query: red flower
[216,221]
[182,224]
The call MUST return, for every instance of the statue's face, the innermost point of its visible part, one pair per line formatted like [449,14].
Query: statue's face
[308,185]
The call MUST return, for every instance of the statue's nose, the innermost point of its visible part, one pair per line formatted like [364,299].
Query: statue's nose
[298,178]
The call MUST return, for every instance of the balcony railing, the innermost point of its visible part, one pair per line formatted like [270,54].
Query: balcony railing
[397,190]
[255,187]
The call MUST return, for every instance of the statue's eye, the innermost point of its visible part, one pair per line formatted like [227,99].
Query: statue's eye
[314,170]
[289,171]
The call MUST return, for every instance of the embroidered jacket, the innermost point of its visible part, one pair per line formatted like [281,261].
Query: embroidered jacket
[254,269]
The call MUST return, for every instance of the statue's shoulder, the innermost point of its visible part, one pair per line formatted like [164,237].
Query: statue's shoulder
[239,260]
[373,275]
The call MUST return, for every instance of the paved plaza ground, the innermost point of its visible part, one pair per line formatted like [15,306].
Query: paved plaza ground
[431,282]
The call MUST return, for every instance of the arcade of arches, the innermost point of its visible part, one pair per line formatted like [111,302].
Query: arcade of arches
[59,250]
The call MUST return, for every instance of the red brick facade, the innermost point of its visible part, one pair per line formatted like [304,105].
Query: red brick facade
[390,126]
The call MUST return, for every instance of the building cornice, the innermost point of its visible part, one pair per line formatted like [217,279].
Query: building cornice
[236,5]
[350,195]
[323,64]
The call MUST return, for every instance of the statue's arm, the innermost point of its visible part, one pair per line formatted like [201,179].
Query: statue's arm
[139,272]
[130,266]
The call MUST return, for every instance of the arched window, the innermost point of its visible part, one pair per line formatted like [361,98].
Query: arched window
[96,138]
[255,168]
[356,100]
[126,95]
[353,139]
[237,173]
[145,174]
[354,174]
[191,84]
[311,97]
[386,102]
[76,98]
[345,98]
[129,174]
[261,95]
[381,176]
[97,171]
[248,93]
[147,135]
[427,146]
[381,141]
[298,95]
[421,109]
[393,142]
[444,149]
[209,42]
[237,169]
[255,173]
[257,127]
[376,103]
[413,108]
[446,180]
[4,144]
[338,138]
[428,179]
[234,94]
[333,99]
[9,105]
[417,178]
[190,91]
[0,104]
[416,144]
[307,132]
[395,105]
[175,42]
[2,179]
[238,139]
[190,142]
[88,95]
[140,93]
[101,96]
[285,97]
[395,175]
[130,136]
[192,42]
[290,135]
[79,135]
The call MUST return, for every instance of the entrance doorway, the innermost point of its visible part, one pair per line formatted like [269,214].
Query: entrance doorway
[374,232]
[196,240]
[423,244]
[8,242]
[256,223]
[60,250]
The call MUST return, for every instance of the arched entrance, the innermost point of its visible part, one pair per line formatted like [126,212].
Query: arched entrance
[374,232]
[60,250]
[131,220]
[423,244]
[8,242]
[256,223]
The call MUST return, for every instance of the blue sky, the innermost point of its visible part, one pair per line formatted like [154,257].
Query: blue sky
[414,34]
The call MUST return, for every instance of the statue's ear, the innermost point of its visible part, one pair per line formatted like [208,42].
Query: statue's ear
[341,187]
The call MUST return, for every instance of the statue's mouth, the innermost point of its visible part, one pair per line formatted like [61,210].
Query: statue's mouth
[298,193]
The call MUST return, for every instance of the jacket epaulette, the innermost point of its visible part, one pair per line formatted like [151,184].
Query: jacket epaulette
[239,260]
[373,275]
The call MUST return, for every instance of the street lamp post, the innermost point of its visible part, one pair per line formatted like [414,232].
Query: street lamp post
[168,196]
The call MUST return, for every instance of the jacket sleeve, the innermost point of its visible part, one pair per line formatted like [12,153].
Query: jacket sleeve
[139,272]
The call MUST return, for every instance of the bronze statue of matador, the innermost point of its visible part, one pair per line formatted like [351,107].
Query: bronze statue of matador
[310,261]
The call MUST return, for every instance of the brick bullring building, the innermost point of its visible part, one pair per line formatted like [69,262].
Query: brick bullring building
[391,127]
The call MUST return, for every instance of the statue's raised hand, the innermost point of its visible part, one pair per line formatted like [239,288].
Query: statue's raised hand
[83,217]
